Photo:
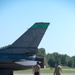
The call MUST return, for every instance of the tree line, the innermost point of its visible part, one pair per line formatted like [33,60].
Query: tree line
[53,58]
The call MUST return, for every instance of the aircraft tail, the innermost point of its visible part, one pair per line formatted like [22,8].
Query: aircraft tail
[32,37]
[30,40]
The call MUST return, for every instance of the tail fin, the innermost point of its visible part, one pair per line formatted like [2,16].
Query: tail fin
[32,37]
[29,41]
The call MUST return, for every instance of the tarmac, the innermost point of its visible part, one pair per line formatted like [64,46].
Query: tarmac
[43,74]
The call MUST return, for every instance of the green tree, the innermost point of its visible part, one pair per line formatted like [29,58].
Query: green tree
[52,58]
[71,62]
[57,57]
[51,62]
[41,52]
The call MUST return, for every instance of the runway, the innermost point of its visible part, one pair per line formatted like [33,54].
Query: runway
[43,74]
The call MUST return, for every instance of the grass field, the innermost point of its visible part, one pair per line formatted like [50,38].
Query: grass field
[47,70]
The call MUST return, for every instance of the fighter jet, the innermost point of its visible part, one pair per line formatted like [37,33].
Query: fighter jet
[21,54]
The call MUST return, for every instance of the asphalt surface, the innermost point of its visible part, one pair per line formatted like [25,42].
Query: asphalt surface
[43,74]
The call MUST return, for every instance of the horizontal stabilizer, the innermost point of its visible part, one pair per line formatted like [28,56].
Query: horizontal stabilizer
[26,63]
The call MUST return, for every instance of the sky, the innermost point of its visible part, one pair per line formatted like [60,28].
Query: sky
[16,16]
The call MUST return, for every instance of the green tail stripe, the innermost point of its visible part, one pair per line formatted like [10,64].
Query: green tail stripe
[40,25]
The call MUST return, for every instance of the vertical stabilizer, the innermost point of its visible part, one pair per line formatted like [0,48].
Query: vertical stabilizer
[29,41]
[32,37]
